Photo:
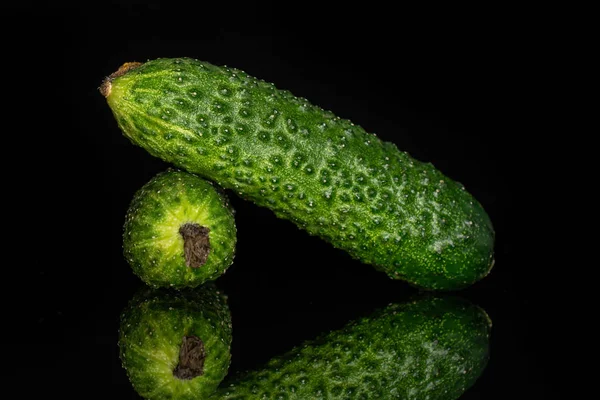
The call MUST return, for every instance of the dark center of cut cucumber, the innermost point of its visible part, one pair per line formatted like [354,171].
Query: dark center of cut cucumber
[196,244]
[191,358]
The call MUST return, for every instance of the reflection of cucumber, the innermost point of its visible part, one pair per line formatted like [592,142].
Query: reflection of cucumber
[433,348]
[325,174]
[179,231]
[175,345]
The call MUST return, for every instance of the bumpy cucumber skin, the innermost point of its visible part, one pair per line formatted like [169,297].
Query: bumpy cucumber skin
[152,243]
[433,348]
[151,331]
[326,174]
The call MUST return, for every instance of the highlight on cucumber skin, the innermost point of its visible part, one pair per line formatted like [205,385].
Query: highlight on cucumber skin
[179,231]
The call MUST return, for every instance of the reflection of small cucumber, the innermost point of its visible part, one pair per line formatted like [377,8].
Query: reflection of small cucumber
[432,348]
[326,174]
[179,231]
[176,345]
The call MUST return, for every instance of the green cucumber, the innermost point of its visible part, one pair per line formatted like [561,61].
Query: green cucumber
[428,348]
[176,344]
[431,348]
[326,174]
[179,231]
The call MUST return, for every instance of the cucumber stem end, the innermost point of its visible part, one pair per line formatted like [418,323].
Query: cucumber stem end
[191,358]
[196,244]
[106,85]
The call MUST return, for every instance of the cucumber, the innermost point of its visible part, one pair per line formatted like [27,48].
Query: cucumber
[179,231]
[176,344]
[326,174]
[430,348]
[427,348]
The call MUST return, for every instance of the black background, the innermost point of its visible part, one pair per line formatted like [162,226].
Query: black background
[448,86]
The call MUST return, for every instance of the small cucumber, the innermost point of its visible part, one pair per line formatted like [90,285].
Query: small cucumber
[176,344]
[179,231]
[326,174]
[431,348]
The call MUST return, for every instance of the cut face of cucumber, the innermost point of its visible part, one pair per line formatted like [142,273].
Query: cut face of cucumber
[179,231]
